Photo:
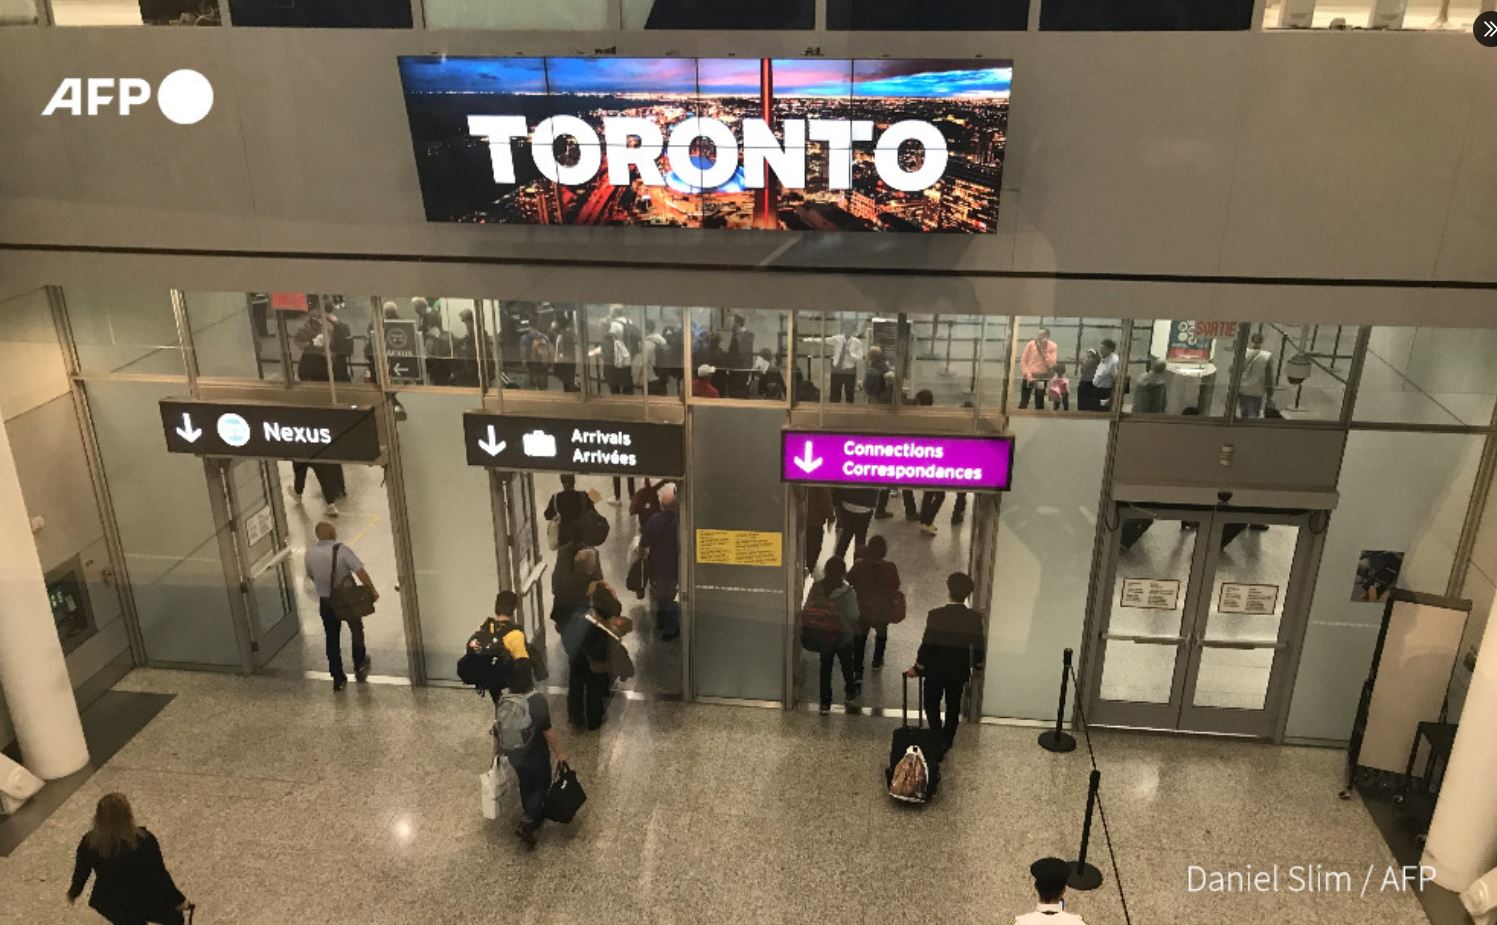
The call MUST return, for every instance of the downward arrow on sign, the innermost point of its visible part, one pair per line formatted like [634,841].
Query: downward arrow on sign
[808,461]
[187,431]
[493,445]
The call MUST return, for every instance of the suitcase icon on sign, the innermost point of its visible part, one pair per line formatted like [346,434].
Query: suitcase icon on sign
[539,443]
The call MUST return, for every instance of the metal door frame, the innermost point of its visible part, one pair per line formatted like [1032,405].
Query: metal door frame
[1178,714]
[255,652]
[795,580]
[982,565]
[508,520]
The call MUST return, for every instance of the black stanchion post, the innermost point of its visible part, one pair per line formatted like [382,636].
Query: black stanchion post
[1083,875]
[1057,739]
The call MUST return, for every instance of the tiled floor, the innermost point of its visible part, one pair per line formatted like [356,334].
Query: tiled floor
[277,802]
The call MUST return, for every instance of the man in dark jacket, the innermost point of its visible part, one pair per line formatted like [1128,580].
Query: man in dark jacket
[953,647]
[660,542]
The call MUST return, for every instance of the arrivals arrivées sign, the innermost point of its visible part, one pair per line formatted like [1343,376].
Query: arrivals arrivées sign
[562,445]
[298,432]
[807,144]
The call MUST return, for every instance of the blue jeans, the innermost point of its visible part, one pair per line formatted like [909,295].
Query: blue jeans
[1250,406]
[332,627]
[532,766]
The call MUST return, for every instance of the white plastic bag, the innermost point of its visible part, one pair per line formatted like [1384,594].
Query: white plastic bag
[17,785]
[493,784]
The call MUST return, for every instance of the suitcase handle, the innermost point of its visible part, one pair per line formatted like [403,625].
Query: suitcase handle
[904,713]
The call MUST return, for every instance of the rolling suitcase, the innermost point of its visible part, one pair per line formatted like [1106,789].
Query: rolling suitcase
[914,770]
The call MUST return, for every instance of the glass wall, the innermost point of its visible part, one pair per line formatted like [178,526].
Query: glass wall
[1181,367]
[484,14]
[1064,358]
[1428,376]
[1042,567]
[125,332]
[136,12]
[1358,14]
[1400,493]
[1301,370]
[745,353]
[908,15]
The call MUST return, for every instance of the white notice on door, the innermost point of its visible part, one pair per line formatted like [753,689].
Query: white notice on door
[1250,599]
[258,526]
[1151,593]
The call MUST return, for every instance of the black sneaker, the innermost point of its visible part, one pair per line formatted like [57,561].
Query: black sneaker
[361,673]
[825,709]
[526,835]
[339,684]
[956,520]
[877,665]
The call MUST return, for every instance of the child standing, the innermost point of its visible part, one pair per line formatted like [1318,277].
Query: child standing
[1060,389]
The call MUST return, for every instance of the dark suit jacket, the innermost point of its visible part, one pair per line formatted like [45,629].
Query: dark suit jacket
[133,884]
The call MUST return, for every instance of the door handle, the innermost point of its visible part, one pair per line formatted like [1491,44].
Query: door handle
[1234,644]
[1146,640]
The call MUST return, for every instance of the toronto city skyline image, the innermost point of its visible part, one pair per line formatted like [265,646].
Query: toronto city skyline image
[816,121]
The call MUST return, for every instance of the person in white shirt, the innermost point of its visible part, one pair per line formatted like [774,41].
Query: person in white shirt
[328,564]
[1098,394]
[845,352]
[1050,883]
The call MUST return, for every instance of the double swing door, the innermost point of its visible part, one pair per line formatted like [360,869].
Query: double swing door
[1204,614]
[253,543]
[521,559]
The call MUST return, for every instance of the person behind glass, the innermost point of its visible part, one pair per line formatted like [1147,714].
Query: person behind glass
[1106,374]
[820,513]
[131,883]
[878,378]
[1151,394]
[566,507]
[532,761]
[806,392]
[329,564]
[834,586]
[618,371]
[537,353]
[660,543]
[854,513]
[952,648]
[312,366]
[564,352]
[701,383]
[438,346]
[1035,364]
[846,351]
[1256,385]
[721,363]
[875,579]
[577,570]
[465,350]
[930,501]
[672,357]
[1060,389]
[652,376]
[392,313]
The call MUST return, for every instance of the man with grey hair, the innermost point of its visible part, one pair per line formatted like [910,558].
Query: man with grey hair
[329,564]
[660,542]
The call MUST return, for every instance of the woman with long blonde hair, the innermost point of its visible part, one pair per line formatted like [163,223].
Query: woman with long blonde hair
[132,885]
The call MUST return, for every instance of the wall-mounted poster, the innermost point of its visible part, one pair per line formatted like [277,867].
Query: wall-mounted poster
[775,144]
[1377,573]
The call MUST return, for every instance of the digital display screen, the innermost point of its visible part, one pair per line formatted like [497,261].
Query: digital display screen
[770,144]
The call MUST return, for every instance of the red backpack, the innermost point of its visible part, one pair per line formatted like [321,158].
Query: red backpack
[821,628]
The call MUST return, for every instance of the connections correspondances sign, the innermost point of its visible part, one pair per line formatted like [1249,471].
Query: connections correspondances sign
[270,431]
[561,445]
[780,144]
[962,463]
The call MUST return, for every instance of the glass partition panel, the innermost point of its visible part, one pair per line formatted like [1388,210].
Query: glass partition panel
[451,527]
[739,353]
[1046,527]
[533,345]
[1058,363]
[237,335]
[1296,372]
[136,13]
[613,346]
[166,528]
[124,332]
[663,365]
[17,12]
[1428,376]
[704,14]
[846,357]
[1458,15]
[915,15]
[429,340]
[950,355]
[590,15]
[1180,366]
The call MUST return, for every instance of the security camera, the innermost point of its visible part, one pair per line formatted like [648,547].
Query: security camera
[1224,497]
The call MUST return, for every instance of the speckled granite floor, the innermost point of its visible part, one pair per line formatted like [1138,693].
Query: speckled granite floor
[278,802]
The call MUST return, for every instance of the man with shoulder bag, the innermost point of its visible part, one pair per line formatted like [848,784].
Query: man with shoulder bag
[331,567]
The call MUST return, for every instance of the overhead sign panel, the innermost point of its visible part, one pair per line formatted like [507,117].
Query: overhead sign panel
[899,460]
[270,431]
[561,445]
[793,144]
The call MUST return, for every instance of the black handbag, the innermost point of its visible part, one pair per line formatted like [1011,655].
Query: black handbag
[565,797]
[350,600]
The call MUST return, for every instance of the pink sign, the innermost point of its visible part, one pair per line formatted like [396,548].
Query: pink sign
[901,460]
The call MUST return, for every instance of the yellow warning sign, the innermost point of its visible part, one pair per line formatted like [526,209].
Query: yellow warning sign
[738,547]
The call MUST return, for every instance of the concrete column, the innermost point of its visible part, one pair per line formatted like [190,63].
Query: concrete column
[1462,843]
[33,672]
